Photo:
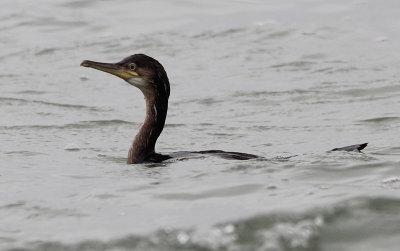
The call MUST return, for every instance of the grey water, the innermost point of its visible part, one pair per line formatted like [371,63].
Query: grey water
[272,78]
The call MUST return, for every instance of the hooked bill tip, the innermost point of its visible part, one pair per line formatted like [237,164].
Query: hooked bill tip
[85,63]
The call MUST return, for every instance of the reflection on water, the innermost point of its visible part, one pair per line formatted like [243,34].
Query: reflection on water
[263,77]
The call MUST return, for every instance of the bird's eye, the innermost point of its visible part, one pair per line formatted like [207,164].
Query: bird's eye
[132,67]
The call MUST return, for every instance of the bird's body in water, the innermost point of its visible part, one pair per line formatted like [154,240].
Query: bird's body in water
[149,76]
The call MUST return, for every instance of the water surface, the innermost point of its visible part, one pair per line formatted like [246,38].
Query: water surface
[263,77]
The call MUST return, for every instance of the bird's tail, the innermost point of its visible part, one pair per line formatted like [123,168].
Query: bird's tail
[357,147]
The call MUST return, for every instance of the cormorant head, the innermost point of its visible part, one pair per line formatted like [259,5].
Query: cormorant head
[139,70]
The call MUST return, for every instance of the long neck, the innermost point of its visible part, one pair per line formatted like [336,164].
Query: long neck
[145,141]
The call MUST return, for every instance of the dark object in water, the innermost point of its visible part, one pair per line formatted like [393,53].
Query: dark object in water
[351,148]
[149,76]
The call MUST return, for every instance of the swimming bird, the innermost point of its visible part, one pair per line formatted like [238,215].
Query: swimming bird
[150,77]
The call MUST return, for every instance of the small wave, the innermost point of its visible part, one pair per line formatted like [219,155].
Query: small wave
[221,192]
[46,51]
[8,75]
[207,101]
[390,150]
[72,147]
[174,125]
[77,4]
[384,91]
[391,182]
[24,153]
[68,106]
[111,122]
[380,120]
[51,21]
[280,34]
[112,159]
[295,65]
[325,69]
[275,93]
[343,70]
[31,92]
[78,125]
[41,212]
[218,34]
[366,221]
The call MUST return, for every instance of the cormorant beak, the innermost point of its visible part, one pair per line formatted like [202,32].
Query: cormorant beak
[113,69]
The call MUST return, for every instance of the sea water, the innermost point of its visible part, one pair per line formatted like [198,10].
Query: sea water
[272,78]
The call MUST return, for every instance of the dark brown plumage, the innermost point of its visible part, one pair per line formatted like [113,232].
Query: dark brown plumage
[149,76]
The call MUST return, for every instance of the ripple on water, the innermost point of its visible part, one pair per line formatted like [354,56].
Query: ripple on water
[392,182]
[78,125]
[77,4]
[34,92]
[34,211]
[342,226]
[212,193]
[277,74]
[24,153]
[67,106]
[219,34]
[381,120]
[72,147]
[46,51]
[373,92]
[295,65]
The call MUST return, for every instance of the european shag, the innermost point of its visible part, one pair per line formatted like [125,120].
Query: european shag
[149,76]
